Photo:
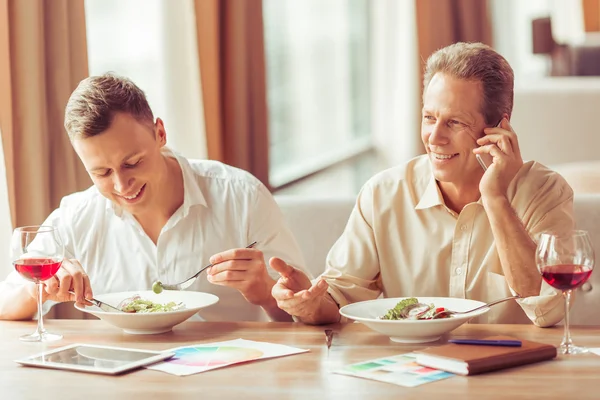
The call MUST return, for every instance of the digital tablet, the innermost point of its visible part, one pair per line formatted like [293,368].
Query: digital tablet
[94,358]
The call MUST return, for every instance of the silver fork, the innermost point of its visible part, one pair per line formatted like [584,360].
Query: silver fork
[100,304]
[158,286]
[450,312]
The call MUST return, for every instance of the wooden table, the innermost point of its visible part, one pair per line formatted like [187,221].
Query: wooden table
[304,376]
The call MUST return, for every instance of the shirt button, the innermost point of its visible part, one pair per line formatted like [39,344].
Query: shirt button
[458,271]
[463,227]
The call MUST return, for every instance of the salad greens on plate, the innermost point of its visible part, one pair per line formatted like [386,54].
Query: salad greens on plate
[411,309]
[139,305]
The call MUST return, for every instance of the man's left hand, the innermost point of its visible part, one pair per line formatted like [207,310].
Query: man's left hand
[502,144]
[244,270]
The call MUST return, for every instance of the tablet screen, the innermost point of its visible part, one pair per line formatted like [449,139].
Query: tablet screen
[92,358]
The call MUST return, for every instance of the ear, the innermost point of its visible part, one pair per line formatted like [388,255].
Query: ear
[161,133]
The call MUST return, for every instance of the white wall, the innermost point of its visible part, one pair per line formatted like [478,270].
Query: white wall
[556,119]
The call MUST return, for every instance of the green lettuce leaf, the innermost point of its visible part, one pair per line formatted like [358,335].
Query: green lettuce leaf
[394,313]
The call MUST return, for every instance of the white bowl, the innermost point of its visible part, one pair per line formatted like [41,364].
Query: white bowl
[150,323]
[412,331]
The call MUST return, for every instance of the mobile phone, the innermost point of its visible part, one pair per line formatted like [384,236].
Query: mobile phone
[485,159]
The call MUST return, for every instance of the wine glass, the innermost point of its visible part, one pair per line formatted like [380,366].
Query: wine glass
[566,261]
[37,253]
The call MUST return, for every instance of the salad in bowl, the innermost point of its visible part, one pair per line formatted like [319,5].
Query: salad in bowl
[412,319]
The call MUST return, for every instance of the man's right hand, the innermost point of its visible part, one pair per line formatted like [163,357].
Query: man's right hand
[297,296]
[70,277]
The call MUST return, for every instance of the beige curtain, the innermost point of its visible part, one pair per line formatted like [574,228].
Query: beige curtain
[591,15]
[232,69]
[43,56]
[443,22]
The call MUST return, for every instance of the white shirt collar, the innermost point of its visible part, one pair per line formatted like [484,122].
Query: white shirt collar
[192,194]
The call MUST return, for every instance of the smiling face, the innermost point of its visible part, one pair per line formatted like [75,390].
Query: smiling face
[451,123]
[125,162]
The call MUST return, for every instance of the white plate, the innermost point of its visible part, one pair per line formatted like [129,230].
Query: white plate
[412,331]
[150,323]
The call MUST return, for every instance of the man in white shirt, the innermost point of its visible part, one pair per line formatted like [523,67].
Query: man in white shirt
[441,225]
[154,215]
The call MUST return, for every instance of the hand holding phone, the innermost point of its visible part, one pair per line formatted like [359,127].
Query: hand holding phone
[486,159]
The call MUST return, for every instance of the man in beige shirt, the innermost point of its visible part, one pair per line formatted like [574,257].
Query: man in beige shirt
[441,225]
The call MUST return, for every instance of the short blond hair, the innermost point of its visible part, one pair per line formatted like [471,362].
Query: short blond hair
[94,103]
[477,62]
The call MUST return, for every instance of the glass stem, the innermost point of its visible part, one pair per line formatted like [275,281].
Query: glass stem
[567,342]
[40,325]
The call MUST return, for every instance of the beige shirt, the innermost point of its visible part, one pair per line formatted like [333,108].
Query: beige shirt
[401,240]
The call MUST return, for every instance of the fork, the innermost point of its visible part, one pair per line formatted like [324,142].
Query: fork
[158,286]
[100,304]
[450,312]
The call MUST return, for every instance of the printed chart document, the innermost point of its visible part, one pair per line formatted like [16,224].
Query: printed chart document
[401,370]
[198,358]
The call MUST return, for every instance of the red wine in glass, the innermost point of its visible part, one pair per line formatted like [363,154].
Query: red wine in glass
[37,269]
[566,276]
[37,253]
[566,260]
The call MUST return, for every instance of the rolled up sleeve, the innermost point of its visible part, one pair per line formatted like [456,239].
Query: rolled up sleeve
[553,212]
[544,310]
